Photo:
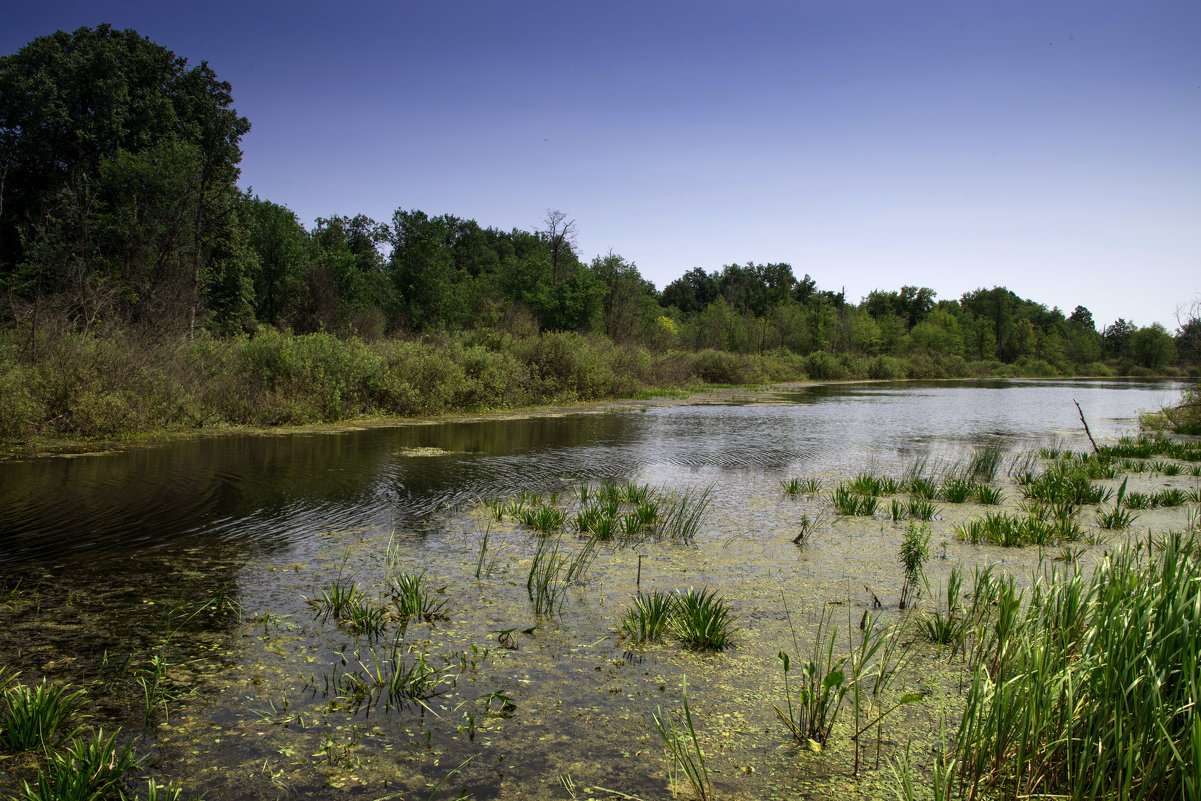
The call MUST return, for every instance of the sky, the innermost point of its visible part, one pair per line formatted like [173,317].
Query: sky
[1050,147]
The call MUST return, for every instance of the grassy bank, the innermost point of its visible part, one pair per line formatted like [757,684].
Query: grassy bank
[117,387]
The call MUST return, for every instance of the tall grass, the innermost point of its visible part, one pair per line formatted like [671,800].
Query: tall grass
[684,747]
[36,716]
[1092,689]
[650,617]
[703,620]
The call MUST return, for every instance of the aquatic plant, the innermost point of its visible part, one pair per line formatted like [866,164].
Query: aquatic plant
[552,572]
[849,502]
[413,599]
[957,490]
[914,551]
[1067,697]
[684,747]
[87,769]
[811,486]
[682,513]
[920,509]
[790,486]
[989,496]
[650,617]
[807,525]
[479,563]
[543,518]
[703,621]
[920,487]
[946,627]
[634,494]
[985,461]
[334,599]
[1169,497]
[897,510]
[823,686]
[33,716]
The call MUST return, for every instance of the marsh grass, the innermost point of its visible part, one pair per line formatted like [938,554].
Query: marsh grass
[703,621]
[87,769]
[1169,497]
[989,496]
[790,486]
[650,617]
[682,513]
[37,715]
[986,462]
[684,747]
[335,599]
[806,527]
[920,509]
[945,624]
[957,490]
[414,599]
[1091,689]
[552,571]
[914,551]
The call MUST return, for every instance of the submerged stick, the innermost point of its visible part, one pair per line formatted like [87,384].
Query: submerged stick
[1086,431]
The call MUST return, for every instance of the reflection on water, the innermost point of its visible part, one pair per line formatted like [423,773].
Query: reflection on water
[274,491]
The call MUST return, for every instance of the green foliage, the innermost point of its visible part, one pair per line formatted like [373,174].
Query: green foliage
[684,747]
[650,617]
[87,769]
[36,716]
[703,620]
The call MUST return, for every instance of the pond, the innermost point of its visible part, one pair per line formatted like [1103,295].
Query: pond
[174,583]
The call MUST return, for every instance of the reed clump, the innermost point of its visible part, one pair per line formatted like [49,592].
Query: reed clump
[1091,689]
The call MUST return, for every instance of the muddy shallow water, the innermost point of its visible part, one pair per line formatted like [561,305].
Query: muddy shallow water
[187,569]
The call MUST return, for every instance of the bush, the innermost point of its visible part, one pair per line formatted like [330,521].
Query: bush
[886,368]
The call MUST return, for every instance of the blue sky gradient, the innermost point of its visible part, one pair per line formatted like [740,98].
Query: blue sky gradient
[1050,147]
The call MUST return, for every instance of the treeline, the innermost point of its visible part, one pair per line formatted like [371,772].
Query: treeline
[121,219]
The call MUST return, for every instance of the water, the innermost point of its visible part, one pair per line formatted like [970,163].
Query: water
[111,543]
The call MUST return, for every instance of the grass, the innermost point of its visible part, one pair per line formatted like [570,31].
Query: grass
[985,462]
[957,490]
[703,621]
[989,496]
[946,625]
[650,618]
[36,716]
[552,571]
[791,486]
[1090,690]
[684,747]
[89,768]
[414,599]
[807,525]
[682,513]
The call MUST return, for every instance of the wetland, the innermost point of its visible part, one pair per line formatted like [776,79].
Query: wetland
[570,605]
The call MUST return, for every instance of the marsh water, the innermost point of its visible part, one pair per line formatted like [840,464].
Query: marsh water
[203,554]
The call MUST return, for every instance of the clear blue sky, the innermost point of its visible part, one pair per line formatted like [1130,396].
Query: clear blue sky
[1050,147]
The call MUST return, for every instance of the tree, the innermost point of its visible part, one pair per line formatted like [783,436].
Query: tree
[78,110]
[559,234]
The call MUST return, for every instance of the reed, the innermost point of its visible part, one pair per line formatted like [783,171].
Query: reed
[703,621]
[920,509]
[543,518]
[335,599]
[920,487]
[1079,694]
[811,486]
[634,494]
[807,525]
[790,486]
[946,627]
[914,551]
[1169,497]
[896,511]
[650,617]
[552,571]
[684,747]
[683,513]
[957,490]
[985,462]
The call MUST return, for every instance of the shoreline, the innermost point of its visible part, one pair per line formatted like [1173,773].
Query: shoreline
[50,447]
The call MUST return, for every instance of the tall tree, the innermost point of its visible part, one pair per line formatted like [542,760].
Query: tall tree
[75,106]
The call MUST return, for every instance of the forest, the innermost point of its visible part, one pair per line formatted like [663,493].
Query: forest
[141,290]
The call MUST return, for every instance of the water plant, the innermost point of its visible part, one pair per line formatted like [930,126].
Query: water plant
[946,627]
[650,617]
[703,620]
[414,599]
[682,513]
[791,486]
[957,490]
[543,518]
[335,599]
[914,551]
[1169,497]
[36,715]
[1117,517]
[989,496]
[88,768]
[807,525]
[635,494]
[921,509]
[552,572]
[811,486]
[897,510]
[921,487]
[823,686]
[985,461]
[684,747]
[1068,696]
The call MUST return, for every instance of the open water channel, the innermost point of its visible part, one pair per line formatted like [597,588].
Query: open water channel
[173,584]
